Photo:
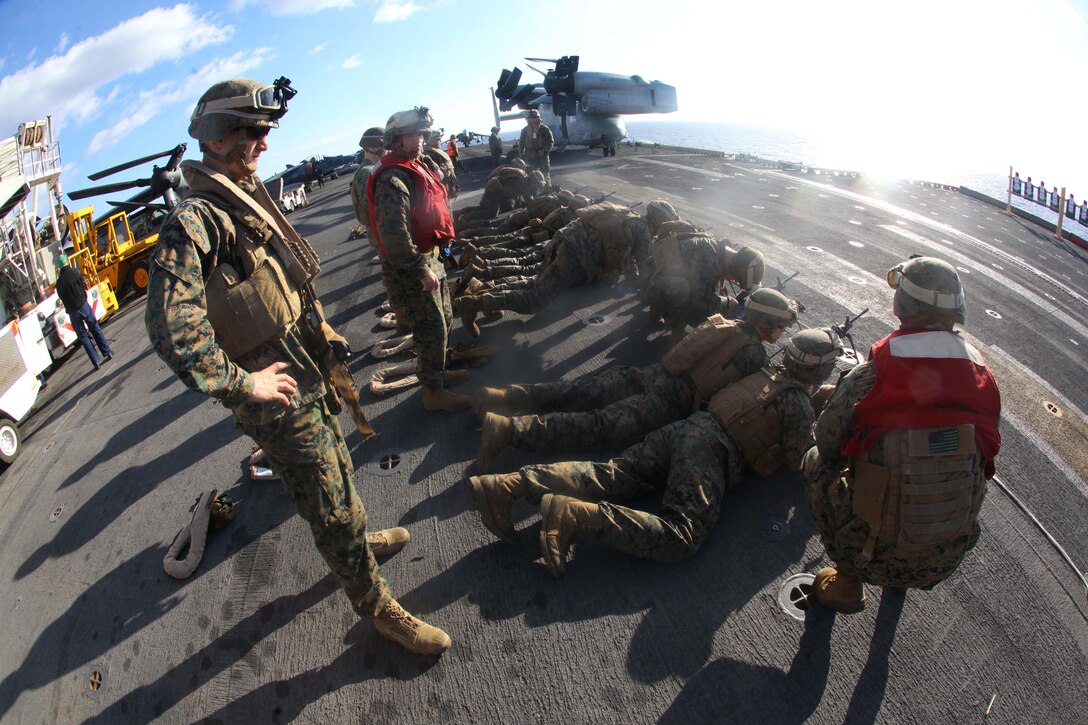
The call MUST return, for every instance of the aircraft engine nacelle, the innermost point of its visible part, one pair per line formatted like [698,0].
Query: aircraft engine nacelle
[611,94]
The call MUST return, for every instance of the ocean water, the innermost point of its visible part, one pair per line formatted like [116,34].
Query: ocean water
[783,145]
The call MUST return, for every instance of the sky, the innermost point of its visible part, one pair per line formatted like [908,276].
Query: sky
[989,83]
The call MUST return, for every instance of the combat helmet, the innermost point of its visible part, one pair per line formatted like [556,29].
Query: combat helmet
[810,355]
[660,211]
[415,120]
[747,267]
[770,308]
[372,140]
[494,129]
[239,102]
[927,287]
[537,180]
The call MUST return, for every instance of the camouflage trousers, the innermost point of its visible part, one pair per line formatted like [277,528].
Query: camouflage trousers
[543,164]
[509,240]
[305,446]
[486,227]
[844,535]
[612,408]
[577,259]
[428,314]
[692,461]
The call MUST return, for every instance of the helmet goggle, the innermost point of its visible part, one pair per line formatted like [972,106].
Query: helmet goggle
[269,102]
[941,300]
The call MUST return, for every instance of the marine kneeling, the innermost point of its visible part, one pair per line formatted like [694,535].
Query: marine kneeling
[756,424]
[904,448]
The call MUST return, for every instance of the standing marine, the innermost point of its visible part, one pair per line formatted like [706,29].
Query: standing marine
[371,144]
[231,309]
[904,447]
[412,224]
[536,145]
[494,145]
[758,423]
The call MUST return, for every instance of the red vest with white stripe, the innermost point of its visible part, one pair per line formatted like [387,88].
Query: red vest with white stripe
[927,379]
[431,223]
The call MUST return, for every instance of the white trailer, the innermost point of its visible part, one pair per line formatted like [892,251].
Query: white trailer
[24,355]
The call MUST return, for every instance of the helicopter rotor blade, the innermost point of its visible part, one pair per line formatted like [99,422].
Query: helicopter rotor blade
[136,206]
[543,60]
[538,70]
[107,188]
[129,164]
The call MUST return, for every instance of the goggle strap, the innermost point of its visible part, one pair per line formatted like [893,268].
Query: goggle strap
[940,300]
[772,311]
[808,358]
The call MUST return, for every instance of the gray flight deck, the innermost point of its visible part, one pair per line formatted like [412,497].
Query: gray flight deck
[91,629]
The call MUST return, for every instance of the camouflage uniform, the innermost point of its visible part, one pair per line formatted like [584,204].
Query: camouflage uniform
[691,298]
[692,460]
[303,441]
[615,407]
[843,534]
[494,145]
[579,259]
[429,314]
[536,151]
[359,200]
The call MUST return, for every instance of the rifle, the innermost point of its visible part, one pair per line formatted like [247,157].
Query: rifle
[611,193]
[780,286]
[843,331]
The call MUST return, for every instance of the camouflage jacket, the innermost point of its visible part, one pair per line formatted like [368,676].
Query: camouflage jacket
[392,211]
[702,255]
[837,418]
[358,194]
[196,237]
[534,149]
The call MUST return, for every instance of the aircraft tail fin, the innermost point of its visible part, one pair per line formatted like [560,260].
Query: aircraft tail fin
[495,108]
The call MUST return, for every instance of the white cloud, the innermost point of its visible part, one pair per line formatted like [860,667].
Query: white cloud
[393,10]
[352,62]
[62,43]
[150,103]
[293,7]
[65,86]
[318,48]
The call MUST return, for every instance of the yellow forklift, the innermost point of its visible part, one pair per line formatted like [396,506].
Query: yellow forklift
[109,255]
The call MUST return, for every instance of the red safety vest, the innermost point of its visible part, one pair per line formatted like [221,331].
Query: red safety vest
[451,148]
[432,225]
[927,379]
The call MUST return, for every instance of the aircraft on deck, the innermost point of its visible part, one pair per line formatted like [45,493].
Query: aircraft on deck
[580,107]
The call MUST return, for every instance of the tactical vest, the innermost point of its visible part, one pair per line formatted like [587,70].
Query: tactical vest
[261,301]
[431,223]
[744,411]
[667,258]
[924,490]
[706,354]
[541,206]
[558,219]
[678,226]
[607,222]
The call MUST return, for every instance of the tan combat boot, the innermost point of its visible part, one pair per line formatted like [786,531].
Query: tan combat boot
[442,399]
[497,433]
[494,496]
[562,518]
[412,634]
[839,590]
[511,398]
[387,541]
[469,253]
[468,308]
